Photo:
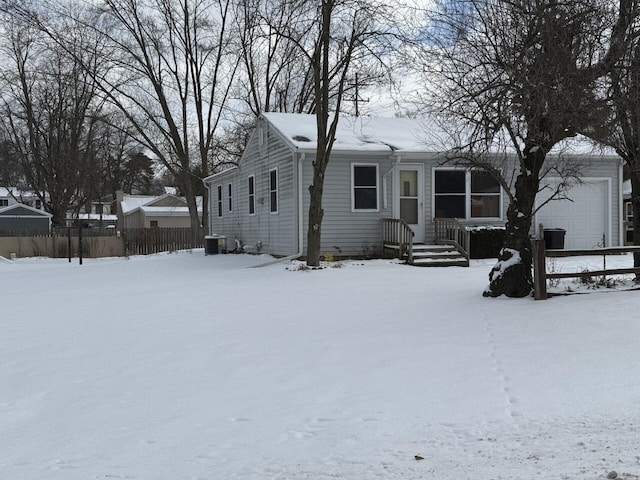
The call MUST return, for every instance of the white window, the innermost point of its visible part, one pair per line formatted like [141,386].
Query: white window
[219,200]
[229,198]
[252,194]
[466,194]
[273,191]
[364,187]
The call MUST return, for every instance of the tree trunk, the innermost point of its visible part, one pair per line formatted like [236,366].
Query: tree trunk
[635,201]
[511,275]
[316,212]
[188,191]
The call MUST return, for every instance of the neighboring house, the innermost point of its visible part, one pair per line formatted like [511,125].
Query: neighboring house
[12,195]
[23,220]
[146,211]
[383,168]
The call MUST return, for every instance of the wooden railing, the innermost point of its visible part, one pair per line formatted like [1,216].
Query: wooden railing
[397,233]
[540,255]
[450,231]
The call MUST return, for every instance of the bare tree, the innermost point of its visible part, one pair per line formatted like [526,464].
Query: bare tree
[172,70]
[50,109]
[622,129]
[333,39]
[522,73]
[169,70]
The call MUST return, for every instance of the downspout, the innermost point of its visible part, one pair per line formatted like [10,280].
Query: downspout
[206,186]
[384,180]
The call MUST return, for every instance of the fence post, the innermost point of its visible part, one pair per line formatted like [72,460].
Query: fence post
[539,269]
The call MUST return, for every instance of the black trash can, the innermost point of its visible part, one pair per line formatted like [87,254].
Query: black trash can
[554,238]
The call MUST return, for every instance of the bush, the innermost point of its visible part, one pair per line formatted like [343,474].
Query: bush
[486,242]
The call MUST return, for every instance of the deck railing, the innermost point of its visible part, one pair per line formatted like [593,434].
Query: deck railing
[396,233]
[450,231]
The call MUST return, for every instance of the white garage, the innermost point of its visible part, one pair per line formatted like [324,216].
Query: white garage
[585,215]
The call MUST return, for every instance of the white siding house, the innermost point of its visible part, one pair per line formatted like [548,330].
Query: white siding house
[383,168]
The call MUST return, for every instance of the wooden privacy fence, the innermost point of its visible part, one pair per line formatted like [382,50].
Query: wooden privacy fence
[540,255]
[145,241]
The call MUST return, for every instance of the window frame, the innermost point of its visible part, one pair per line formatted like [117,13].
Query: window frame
[251,195]
[353,187]
[274,198]
[4,202]
[219,191]
[468,194]
[229,198]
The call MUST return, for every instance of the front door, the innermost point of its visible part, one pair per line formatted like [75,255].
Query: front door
[409,204]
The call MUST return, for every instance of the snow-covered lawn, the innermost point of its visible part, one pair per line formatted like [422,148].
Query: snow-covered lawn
[190,367]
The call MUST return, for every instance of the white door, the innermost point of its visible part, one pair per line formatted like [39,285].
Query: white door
[585,216]
[409,196]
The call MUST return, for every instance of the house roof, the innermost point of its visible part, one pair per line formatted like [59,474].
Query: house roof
[376,134]
[147,203]
[22,210]
[362,133]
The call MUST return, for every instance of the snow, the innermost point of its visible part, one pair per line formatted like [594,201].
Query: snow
[185,366]
[374,134]
[403,135]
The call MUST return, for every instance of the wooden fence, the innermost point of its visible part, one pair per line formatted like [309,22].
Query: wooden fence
[145,241]
[540,255]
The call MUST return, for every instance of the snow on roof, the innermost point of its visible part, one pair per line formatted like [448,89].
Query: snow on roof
[398,134]
[130,203]
[362,133]
[167,211]
[22,206]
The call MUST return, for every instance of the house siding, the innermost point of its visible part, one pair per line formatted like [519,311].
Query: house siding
[345,232]
[264,231]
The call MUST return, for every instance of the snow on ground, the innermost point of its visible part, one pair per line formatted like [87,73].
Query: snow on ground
[190,367]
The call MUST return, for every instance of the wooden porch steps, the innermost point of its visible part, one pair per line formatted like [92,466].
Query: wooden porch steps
[434,256]
[438,256]
[450,249]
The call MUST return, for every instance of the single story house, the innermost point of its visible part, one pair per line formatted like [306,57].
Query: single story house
[148,211]
[24,220]
[385,168]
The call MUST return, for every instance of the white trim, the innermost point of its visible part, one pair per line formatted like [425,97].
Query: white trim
[419,167]
[352,187]
[274,212]
[230,201]
[40,213]
[220,200]
[250,195]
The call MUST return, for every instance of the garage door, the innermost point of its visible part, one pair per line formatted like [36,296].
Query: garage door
[585,217]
